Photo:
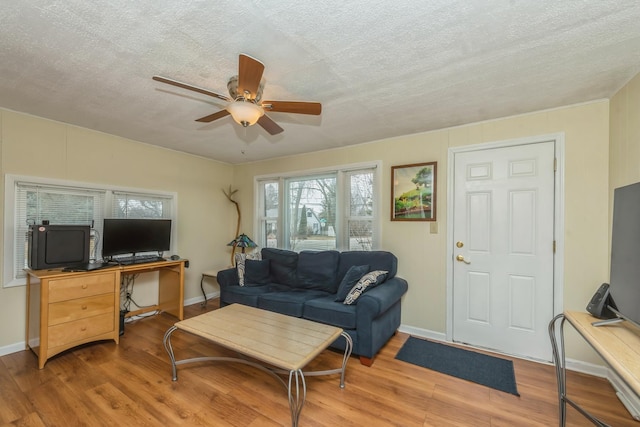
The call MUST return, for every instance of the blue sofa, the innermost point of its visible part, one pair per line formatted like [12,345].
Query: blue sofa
[313,284]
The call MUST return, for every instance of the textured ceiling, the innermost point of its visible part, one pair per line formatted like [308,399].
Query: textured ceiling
[379,68]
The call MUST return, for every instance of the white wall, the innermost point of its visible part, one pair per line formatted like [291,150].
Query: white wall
[422,255]
[206,220]
[34,146]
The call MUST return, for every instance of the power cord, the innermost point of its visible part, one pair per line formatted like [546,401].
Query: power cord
[126,293]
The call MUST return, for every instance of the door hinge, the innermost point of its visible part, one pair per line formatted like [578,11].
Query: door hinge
[554,246]
[555,164]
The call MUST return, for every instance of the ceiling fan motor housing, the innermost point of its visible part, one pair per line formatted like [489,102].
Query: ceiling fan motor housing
[232,87]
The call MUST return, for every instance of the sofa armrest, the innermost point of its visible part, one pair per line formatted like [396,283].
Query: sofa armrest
[378,313]
[382,297]
[228,277]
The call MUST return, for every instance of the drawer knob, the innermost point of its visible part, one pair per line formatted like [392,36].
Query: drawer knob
[84,307]
[84,328]
[84,286]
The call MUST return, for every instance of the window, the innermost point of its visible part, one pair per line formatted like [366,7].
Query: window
[30,200]
[56,204]
[129,205]
[329,209]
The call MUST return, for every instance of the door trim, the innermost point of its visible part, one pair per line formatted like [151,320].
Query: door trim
[558,271]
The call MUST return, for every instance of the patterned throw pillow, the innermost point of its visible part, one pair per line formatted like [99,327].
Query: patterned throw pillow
[349,280]
[240,258]
[367,281]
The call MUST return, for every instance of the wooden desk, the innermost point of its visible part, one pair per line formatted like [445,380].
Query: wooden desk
[170,286]
[618,344]
[67,309]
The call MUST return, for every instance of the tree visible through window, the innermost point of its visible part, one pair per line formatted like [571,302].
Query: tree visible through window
[127,205]
[333,210]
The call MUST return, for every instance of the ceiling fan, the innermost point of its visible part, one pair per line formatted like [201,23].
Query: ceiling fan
[245,104]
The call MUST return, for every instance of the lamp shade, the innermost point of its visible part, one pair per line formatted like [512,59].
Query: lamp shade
[242,241]
[245,113]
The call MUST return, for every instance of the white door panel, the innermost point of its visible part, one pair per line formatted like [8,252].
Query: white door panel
[503,224]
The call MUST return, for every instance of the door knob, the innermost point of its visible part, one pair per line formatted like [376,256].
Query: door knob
[459,244]
[461,259]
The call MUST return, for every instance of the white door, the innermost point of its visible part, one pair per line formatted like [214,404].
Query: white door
[503,228]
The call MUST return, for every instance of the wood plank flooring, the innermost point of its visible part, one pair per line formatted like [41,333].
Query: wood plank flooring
[104,384]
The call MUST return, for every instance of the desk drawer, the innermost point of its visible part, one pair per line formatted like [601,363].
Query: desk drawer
[81,329]
[79,308]
[81,286]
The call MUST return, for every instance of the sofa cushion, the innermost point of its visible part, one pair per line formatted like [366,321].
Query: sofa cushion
[327,310]
[289,302]
[240,264]
[256,272]
[247,295]
[317,270]
[367,281]
[349,280]
[282,265]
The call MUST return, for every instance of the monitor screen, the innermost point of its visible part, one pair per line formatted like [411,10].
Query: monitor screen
[625,243]
[134,236]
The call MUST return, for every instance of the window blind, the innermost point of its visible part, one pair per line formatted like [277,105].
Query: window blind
[56,204]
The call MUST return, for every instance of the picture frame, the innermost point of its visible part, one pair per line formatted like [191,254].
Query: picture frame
[413,192]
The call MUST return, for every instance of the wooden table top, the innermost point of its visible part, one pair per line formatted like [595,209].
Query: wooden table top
[285,342]
[618,344]
[151,266]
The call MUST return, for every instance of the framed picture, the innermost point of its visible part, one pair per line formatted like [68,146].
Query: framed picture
[413,192]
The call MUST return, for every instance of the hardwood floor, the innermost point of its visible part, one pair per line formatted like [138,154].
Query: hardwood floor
[104,384]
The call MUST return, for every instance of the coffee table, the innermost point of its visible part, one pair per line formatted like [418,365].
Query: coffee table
[277,344]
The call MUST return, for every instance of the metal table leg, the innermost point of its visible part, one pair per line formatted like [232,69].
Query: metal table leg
[296,386]
[345,358]
[297,392]
[204,303]
[559,361]
[556,326]
[167,346]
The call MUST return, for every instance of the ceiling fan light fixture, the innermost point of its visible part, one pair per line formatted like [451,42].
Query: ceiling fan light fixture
[245,106]
[245,113]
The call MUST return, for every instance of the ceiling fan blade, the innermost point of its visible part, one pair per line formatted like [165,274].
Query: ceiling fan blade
[190,87]
[215,116]
[269,125]
[249,75]
[313,108]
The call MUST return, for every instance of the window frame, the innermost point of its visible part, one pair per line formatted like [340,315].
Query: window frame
[342,207]
[10,274]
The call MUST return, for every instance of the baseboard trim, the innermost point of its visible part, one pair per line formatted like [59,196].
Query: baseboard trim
[198,299]
[21,346]
[572,365]
[626,396]
[422,333]
[13,348]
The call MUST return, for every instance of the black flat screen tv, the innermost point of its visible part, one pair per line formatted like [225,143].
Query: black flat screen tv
[624,278]
[52,245]
[135,236]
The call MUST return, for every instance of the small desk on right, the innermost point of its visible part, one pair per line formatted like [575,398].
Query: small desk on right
[618,344]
